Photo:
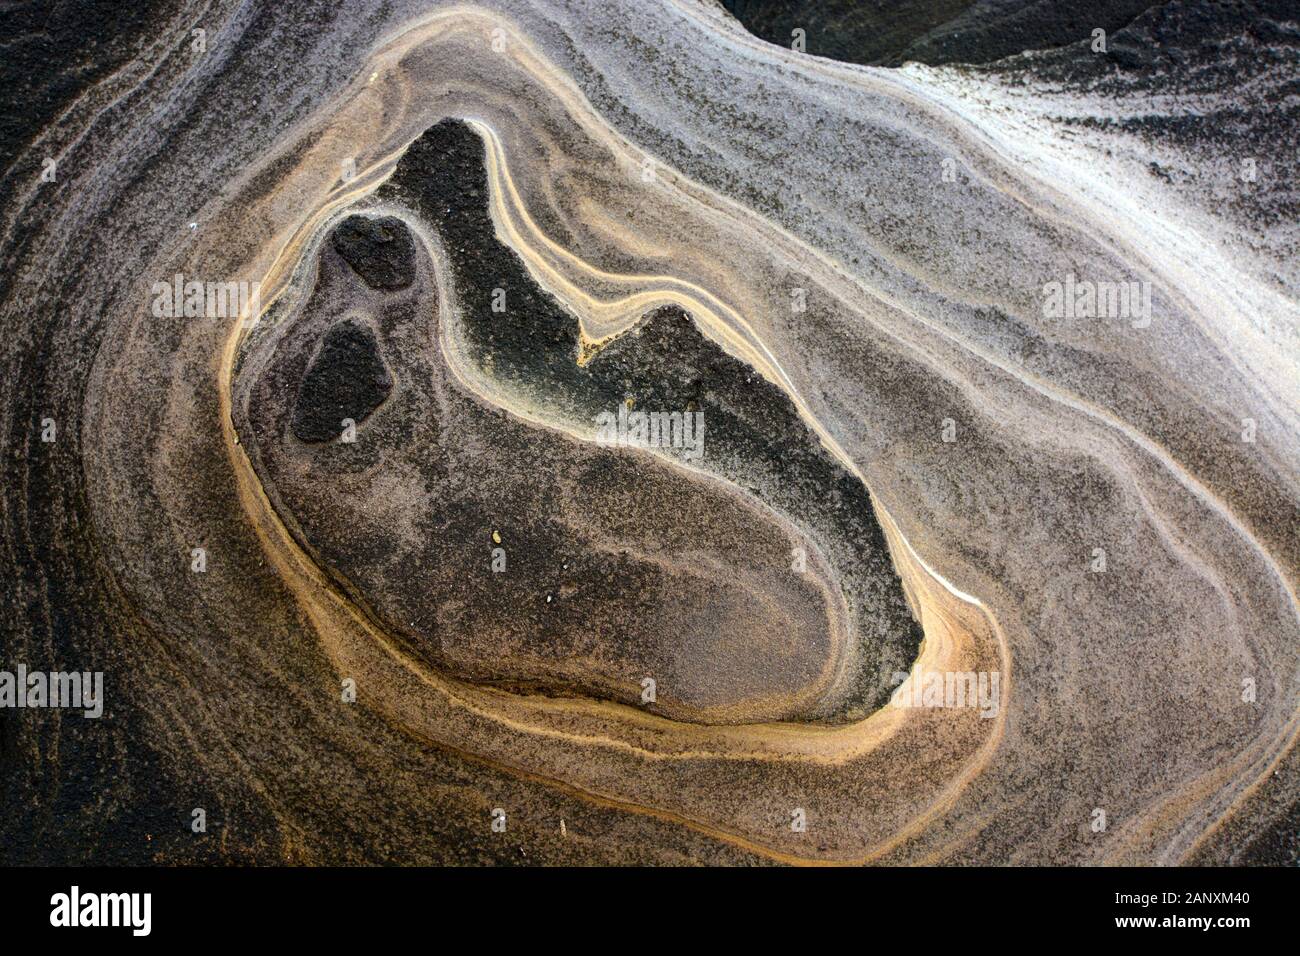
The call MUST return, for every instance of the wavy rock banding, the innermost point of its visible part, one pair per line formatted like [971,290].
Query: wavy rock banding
[843,268]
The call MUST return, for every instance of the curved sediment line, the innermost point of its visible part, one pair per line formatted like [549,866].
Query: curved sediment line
[1120,691]
[722,323]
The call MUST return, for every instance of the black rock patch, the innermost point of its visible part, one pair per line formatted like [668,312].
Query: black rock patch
[381,250]
[347,380]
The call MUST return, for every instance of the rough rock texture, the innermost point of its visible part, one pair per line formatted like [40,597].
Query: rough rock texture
[846,268]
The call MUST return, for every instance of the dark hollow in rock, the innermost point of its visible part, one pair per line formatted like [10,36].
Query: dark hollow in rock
[347,380]
[379,250]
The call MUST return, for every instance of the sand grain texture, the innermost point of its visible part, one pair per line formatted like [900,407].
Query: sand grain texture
[649,184]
